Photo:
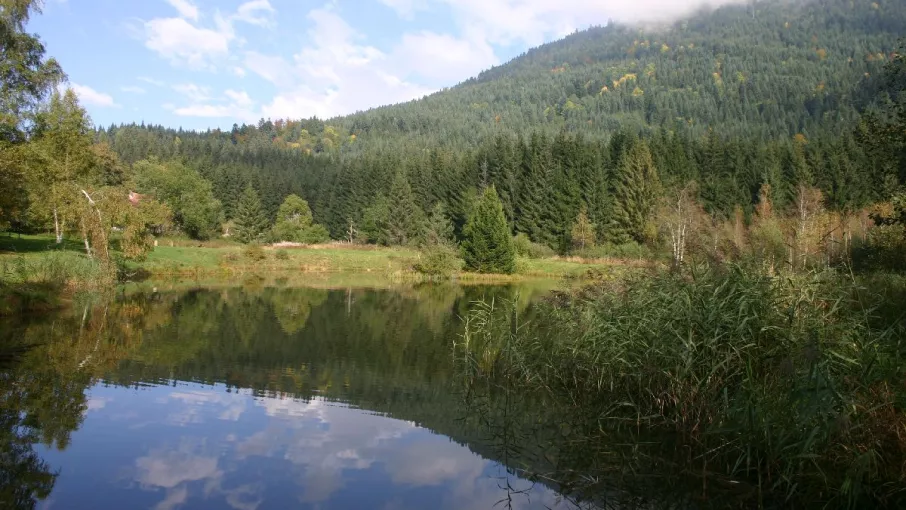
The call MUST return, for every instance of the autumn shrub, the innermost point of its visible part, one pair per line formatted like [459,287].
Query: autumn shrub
[254,253]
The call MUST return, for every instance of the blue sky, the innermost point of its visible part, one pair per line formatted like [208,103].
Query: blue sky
[210,63]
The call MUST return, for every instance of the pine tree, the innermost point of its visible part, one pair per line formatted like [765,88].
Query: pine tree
[636,191]
[249,217]
[487,245]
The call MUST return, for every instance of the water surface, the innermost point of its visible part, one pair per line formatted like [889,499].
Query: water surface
[254,397]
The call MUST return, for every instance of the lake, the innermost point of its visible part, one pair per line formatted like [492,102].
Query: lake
[262,396]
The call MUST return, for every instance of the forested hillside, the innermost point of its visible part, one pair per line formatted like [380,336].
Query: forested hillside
[750,102]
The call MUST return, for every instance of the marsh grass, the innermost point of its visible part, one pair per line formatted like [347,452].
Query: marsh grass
[34,283]
[788,390]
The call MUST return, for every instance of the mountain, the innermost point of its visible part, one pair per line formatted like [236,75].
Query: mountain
[766,70]
[769,92]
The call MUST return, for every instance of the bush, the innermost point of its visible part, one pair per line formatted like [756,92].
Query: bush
[441,261]
[314,234]
[630,250]
[254,253]
[281,255]
[526,248]
[884,248]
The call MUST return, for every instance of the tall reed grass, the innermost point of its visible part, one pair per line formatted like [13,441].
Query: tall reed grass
[40,282]
[791,386]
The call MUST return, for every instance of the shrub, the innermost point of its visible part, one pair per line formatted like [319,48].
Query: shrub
[440,261]
[526,248]
[254,253]
[884,247]
[630,250]
[281,255]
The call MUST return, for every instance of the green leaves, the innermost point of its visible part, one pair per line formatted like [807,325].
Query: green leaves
[294,223]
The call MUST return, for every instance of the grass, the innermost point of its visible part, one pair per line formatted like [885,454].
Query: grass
[789,390]
[193,259]
[184,258]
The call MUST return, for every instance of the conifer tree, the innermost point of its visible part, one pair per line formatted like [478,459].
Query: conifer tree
[636,191]
[487,245]
[405,219]
[438,227]
[249,217]
[375,219]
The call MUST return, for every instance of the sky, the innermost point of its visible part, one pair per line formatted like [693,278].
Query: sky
[201,64]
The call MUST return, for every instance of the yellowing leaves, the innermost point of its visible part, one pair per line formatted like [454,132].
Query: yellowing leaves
[625,78]
[638,92]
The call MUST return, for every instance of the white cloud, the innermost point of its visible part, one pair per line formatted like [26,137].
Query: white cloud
[133,89]
[152,81]
[443,58]
[240,98]
[185,9]
[238,71]
[406,8]
[182,43]
[534,21]
[193,92]
[89,96]
[335,75]
[255,12]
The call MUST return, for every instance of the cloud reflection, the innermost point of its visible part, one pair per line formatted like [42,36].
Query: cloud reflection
[327,449]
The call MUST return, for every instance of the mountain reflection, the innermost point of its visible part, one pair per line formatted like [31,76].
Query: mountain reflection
[249,398]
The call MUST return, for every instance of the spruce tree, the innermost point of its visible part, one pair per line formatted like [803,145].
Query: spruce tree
[438,228]
[249,217]
[487,245]
[636,192]
[405,219]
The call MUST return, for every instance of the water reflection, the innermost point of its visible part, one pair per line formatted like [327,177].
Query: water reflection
[248,398]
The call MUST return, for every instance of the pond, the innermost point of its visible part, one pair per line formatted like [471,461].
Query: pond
[253,397]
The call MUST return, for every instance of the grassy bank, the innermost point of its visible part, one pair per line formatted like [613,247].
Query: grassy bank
[205,259]
[774,392]
[181,258]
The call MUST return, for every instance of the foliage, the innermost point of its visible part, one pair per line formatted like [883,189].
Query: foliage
[524,247]
[439,261]
[636,192]
[294,223]
[438,229]
[630,250]
[583,231]
[487,246]
[376,221]
[195,210]
[26,76]
[250,221]
[253,252]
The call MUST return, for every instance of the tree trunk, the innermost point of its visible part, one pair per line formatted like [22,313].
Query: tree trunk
[58,232]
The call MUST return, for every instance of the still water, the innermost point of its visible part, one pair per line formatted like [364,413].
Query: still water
[253,397]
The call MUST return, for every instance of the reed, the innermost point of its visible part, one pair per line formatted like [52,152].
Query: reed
[791,385]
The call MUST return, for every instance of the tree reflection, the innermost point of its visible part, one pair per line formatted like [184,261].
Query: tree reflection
[387,351]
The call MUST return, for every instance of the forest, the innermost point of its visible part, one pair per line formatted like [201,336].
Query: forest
[591,143]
